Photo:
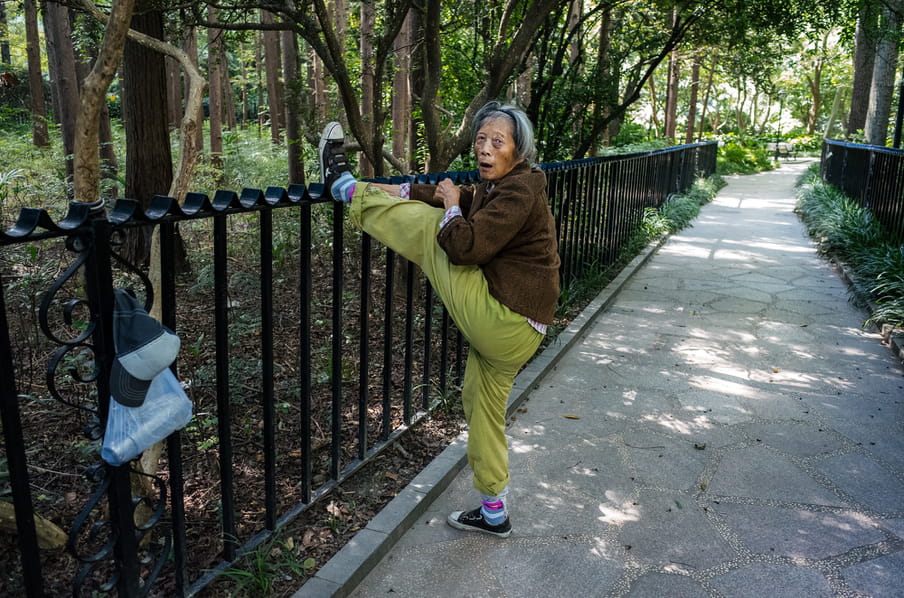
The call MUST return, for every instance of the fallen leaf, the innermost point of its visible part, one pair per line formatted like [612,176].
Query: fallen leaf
[775,370]
[569,416]
[391,476]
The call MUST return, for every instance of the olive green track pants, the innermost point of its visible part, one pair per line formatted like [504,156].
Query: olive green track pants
[500,340]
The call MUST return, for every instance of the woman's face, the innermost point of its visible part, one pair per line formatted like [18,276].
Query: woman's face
[494,148]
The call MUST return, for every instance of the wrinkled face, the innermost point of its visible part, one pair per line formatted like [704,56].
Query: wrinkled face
[494,148]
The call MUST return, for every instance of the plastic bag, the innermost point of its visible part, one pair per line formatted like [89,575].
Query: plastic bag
[131,430]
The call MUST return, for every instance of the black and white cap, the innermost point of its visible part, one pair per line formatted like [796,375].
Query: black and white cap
[144,348]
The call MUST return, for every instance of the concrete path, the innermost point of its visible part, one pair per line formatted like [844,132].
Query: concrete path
[723,428]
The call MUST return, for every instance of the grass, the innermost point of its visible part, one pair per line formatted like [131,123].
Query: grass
[849,233]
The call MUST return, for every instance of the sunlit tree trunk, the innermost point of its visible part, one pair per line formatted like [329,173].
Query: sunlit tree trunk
[884,70]
[692,102]
[401,93]
[86,156]
[864,57]
[707,93]
[671,97]
[215,103]
[190,47]
[368,92]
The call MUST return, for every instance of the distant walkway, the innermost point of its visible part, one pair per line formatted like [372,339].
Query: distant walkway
[725,428]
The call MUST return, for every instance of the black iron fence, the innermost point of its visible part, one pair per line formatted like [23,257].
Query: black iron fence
[871,175]
[306,350]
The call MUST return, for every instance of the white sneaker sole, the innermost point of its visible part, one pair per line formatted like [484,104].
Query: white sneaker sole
[452,520]
[332,132]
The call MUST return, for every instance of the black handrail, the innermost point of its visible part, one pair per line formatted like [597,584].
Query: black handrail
[871,175]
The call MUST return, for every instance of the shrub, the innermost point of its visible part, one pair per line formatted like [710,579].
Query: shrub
[848,232]
[741,157]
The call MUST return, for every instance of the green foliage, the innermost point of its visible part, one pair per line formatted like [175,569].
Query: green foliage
[257,572]
[740,156]
[848,232]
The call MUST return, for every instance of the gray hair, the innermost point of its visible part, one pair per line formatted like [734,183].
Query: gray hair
[523,130]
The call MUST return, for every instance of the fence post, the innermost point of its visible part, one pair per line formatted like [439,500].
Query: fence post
[16,462]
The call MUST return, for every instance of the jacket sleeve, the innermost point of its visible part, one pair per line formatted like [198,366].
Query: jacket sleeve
[424,193]
[477,238]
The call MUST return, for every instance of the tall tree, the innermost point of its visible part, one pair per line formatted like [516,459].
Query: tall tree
[86,158]
[692,103]
[291,94]
[273,69]
[215,93]
[5,56]
[40,136]
[864,58]
[401,94]
[149,165]
[884,70]
[671,95]
[368,77]
[64,81]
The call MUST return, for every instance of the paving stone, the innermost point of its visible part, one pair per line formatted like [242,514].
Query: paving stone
[803,440]
[759,473]
[775,581]
[665,462]
[798,533]
[882,577]
[554,568]
[866,481]
[669,527]
[657,585]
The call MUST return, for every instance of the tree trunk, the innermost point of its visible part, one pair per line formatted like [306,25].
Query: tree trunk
[293,88]
[5,56]
[692,102]
[86,157]
[884,70]
[654,109]
[173,92]
[215,102]
[149,164]
[273,67]
[671,97]
[108,161]
[190,47]
[416,87]
[39,135]
[864,57]
[401,93]
[368,92]
[64,82]
[706,95]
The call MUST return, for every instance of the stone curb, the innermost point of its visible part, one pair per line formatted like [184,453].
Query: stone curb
[342,573]
[894,338]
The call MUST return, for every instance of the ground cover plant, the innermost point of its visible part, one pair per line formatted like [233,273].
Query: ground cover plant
[848,232]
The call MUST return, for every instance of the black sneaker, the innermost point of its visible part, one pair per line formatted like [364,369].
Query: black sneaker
[333,161]
[473,521]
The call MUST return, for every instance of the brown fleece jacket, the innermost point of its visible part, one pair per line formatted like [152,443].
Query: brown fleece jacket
[510,233]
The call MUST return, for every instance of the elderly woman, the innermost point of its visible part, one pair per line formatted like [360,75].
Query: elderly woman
[490,252]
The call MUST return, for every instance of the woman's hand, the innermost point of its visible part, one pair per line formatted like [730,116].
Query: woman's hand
[448,192]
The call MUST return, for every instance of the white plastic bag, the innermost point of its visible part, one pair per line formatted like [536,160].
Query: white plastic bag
[131,430]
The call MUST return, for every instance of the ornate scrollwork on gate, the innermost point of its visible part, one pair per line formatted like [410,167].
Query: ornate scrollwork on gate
[115,536]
